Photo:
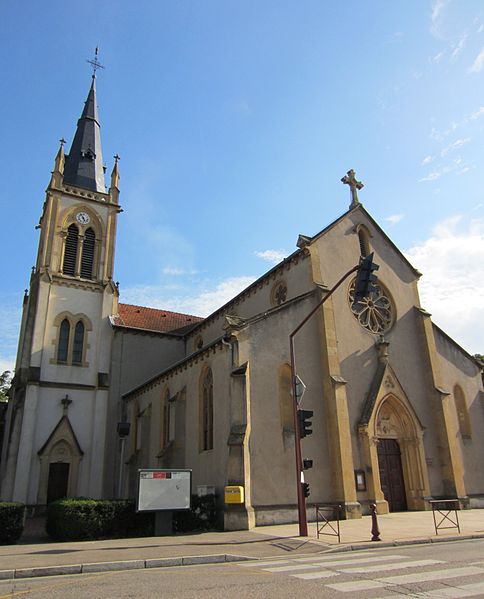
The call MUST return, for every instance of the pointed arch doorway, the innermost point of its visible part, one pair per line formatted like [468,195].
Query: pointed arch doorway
[393,452]
[391,474]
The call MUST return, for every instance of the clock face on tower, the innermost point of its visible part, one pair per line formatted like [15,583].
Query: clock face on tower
[82,218]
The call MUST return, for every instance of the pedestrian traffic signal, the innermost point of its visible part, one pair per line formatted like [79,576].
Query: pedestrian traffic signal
[306,489]
[365,279]
[307,464]
[303,418]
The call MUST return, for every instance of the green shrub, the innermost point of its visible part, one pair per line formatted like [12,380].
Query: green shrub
[203,515]
[12,521]
[88,519]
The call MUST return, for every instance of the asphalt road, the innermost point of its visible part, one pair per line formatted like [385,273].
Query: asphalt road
[433,570]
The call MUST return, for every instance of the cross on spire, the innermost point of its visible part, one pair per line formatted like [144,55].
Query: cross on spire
[95,63]
[350,179]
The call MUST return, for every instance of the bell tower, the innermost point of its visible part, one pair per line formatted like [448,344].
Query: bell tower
[58,412]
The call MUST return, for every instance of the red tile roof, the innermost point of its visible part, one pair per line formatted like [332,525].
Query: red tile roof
[151,319]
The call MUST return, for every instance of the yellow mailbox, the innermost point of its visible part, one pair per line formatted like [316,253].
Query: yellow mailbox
[234,494]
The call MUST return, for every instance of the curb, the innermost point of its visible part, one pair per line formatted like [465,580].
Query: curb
[191,560]
[403,542]
[134,564]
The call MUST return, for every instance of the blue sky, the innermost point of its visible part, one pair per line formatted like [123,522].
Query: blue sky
[235,121]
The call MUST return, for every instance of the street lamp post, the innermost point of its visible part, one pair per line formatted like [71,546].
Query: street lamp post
[301,503]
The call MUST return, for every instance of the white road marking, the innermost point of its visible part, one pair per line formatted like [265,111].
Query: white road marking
[314,575]
[464,590]
[416,564]
[333,556]
[291,567]
[355,560]
[256,564]
[361,585]
[434,575]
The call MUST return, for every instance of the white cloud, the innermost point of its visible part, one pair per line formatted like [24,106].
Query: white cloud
[394,218]
[458,47]
[436,17]
[477,113]
[199,302]
[273,256]
[427,160]
[177,272]
[478,63]
[438,57]
[455,145]
[452,286]
[431,176]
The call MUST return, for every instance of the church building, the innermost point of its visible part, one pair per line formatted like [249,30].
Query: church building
[102,388]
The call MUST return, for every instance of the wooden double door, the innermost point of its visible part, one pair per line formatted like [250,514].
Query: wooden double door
[391,474]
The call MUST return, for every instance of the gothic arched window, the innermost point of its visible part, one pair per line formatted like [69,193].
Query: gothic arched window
[87,258]
[70,251]
[364,240]
[78,343]
[63,347]
[207,411]
[70,340]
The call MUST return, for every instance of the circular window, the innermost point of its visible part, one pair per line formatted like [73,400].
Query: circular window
[376,312]
[279,293]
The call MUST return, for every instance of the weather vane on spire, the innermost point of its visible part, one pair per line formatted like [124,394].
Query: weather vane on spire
[95,63]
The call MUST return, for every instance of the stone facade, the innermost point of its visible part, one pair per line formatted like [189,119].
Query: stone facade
[398,405]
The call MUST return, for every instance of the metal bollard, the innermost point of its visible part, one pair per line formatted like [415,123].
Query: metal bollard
[375,533]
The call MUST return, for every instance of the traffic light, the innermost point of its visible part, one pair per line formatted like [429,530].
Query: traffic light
[307,464]
[303,418]
[365,279]
[306,489]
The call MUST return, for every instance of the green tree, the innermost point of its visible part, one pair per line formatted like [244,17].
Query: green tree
[479,357]
[5,381]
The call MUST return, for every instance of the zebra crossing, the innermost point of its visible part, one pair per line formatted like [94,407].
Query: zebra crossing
[370,571]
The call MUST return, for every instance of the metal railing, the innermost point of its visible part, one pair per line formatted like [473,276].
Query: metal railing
[327,519]
[445,514]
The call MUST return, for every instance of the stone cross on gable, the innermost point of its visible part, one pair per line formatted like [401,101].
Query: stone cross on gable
[350,179]
[65,404]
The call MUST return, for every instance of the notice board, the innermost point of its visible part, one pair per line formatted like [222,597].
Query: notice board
[164,490]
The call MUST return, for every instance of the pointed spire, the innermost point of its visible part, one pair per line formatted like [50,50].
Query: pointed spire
[59,159]
[84,163]
[115,173]
[114,188]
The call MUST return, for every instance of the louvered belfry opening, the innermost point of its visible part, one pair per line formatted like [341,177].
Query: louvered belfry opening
[78,343]
[63,341]
[70,252]
[87,259]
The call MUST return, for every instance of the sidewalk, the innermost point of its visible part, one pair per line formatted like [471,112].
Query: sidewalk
[48,559]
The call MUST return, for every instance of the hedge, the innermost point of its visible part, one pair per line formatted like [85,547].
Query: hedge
[11,521]
[83,519]
[88,519]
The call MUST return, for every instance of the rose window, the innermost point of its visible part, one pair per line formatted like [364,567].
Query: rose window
[375,312]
